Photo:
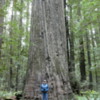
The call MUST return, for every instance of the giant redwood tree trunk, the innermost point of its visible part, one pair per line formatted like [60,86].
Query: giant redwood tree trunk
[47,54]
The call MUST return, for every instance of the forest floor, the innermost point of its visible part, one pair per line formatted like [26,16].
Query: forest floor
[84,98]
[78,98]
[12,96]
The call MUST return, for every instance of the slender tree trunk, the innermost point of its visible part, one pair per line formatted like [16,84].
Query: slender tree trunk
[89,62]
[82,54]
[94,57]
[17,77]
[19,45]
[47,54]
[1,22]
[98,57]
[67,33]
[11,61]
[28,16]
[70,49]
[82,61]
[73,81]
[27,35]
[97,33]
[72,62]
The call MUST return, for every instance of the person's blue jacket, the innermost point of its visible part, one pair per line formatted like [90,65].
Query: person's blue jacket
[44,88]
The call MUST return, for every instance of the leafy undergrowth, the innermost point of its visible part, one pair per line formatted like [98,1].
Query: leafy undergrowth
[84,98]
[81,98]
[89,95]
[8,95]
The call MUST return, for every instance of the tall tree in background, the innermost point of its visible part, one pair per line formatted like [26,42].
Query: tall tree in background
[11,54]
[94,56]
[82,60]
[82,53]
[19,43]
[1,21]
[70,44]
[15,42]
[71,40]
[89,61]
[47,53]
[67,30]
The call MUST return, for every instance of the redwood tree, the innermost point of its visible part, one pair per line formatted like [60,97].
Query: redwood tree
[47,53]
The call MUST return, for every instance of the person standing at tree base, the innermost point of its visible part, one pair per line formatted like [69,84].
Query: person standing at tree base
[44,89]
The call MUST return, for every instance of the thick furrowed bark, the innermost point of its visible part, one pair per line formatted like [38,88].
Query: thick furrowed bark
[47,55]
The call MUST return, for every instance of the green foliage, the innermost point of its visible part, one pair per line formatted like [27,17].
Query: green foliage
[91,94]
[18,92]
[18,6]
[84,20]
[80,97]
[2,13]
[5,94]
[8,95]
[88,95]
[15,43]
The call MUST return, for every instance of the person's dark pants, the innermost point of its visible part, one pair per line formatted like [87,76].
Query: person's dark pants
[44,96]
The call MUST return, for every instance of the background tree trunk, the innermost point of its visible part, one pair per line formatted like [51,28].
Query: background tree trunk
[67,33]
[72,59]
[82,61]
[19,45]
[82,53]
[1,22]
[94,40]
[10,58]
[89,61]
[47,54]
